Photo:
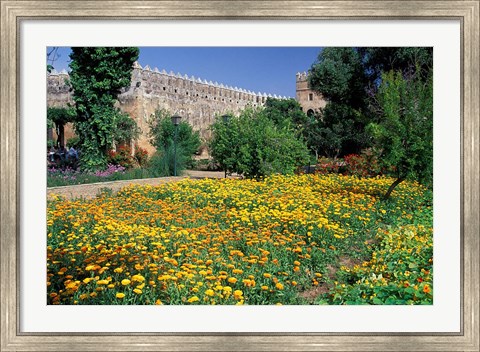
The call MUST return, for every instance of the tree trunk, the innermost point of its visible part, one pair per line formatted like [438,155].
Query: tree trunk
[392,187]
[61,135]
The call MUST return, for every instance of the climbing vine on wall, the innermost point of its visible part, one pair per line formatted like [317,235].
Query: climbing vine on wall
[97,76]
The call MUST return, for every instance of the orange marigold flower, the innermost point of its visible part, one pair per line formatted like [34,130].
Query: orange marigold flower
[237,294]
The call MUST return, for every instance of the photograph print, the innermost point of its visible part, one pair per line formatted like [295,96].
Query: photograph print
[239,175]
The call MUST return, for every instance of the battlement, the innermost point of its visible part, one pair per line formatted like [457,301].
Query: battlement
[302,76]
[158,81]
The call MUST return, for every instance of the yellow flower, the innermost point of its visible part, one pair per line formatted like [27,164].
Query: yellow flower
[137,291]
[126,282]
[102,282]
[193,299]
[118,270]
[232,280]
[209,292]
[264,288]
[267,275]
[120,295]
[237,294]
[279,286]
[138,278]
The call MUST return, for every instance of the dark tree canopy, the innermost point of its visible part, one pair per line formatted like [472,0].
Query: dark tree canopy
[405,59]
[97,76]
[349,79]
[339,75]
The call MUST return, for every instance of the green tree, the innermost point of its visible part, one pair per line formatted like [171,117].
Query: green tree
[97,76]
[252,145]
[348,78]
[403,133]
[162,135]
[383,59]
[285,113]
[339,75]
[58,117]
[126,130]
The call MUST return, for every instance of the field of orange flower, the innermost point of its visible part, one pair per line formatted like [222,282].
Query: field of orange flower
[307,239]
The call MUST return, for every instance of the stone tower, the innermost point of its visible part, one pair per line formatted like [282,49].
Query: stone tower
[310,100]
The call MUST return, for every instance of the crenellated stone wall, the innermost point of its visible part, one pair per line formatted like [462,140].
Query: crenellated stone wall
[196,100]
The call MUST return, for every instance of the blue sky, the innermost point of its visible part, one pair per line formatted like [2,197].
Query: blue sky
[260,69]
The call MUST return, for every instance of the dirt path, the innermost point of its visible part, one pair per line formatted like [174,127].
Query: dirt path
[93,189]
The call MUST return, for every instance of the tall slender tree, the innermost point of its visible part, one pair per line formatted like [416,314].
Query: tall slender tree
[403,131]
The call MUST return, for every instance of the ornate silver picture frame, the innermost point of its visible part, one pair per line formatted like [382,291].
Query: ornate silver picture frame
[12,15]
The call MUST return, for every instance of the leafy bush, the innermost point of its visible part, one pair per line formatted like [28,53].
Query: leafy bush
[126,129]
[141,156]
[364,165]
[162,162]
[254,146]
[122,156]
[162,134]
[328,166]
